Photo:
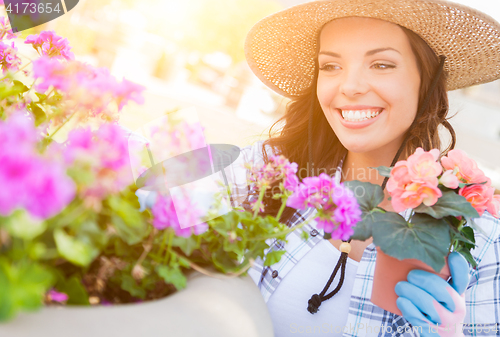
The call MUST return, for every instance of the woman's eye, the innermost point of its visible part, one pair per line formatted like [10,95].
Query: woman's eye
[329,67]
[383,66]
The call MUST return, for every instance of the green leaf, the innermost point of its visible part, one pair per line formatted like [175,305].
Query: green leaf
[39,114]
[187,245]
[22,225]
[368,195]
[129,284]
[41,97]
[426,239]
[72,287]
[468,256]
[22,287]
[129,224]
[20,86]
[7,90]
[273,257]
[363,229]
[384,171]
[90,232]
[73,250]
[450,203]
[172,275]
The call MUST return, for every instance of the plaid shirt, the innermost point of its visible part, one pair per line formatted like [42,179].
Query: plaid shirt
[366,319]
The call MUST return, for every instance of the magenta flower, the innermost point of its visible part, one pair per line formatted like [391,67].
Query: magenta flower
[128,91]
[106,152]
[53,73]
[338,209]
[5,31]
[57,296]
[94,89]
[28,180]
[8,57]
[165,215]
[278,168]
[47,43]
[114,143]
[50,190]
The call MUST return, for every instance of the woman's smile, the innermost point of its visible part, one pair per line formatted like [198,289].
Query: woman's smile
[368,82]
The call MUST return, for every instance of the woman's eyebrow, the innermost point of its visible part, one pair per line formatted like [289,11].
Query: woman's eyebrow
[368,53]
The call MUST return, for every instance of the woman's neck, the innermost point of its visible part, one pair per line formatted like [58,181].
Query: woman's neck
[361,166]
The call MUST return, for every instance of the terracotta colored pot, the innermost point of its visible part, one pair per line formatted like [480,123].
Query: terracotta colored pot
[389,271]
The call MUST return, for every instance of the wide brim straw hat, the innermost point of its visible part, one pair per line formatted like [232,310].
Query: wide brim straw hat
[280,49]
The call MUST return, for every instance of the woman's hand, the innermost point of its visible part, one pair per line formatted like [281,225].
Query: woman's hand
[428,301]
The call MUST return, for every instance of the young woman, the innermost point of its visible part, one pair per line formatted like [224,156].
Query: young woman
[368,82]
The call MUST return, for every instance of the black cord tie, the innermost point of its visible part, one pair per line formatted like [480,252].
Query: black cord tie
[315,302]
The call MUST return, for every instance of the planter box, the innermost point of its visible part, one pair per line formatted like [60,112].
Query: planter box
[208,307]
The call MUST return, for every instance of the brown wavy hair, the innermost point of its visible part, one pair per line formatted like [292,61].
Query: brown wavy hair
[328,151]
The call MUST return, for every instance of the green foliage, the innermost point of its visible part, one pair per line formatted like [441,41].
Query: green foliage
[449,204]
[425,238]
[22,286]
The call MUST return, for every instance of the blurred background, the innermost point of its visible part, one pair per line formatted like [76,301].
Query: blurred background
[190,53]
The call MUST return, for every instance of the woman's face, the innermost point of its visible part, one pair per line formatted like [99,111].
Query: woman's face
[368,83]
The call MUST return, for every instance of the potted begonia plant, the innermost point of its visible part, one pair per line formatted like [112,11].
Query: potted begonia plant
[443,196]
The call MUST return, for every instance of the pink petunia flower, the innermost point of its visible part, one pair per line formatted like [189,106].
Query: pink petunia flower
[47,43]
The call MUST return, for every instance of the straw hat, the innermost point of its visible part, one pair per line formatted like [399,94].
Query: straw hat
[280,49]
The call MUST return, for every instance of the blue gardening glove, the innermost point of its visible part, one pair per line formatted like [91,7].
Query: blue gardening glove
[430,302]
[146,198]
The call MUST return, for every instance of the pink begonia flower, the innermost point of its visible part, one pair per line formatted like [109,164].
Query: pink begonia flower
[5,32]
[415,180]
[57,296]
[494,206]
[339,208]
[423,166]
[449,179]
[165,215]
[479,196]
[8,57]
[464,167]
[47,43]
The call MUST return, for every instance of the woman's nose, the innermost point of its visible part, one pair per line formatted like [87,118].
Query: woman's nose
[353,83]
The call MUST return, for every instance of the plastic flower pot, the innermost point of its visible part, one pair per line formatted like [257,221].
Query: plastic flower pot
[208,307]
[389,271]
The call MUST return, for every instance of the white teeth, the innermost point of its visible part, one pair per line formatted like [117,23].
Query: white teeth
[359,115]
